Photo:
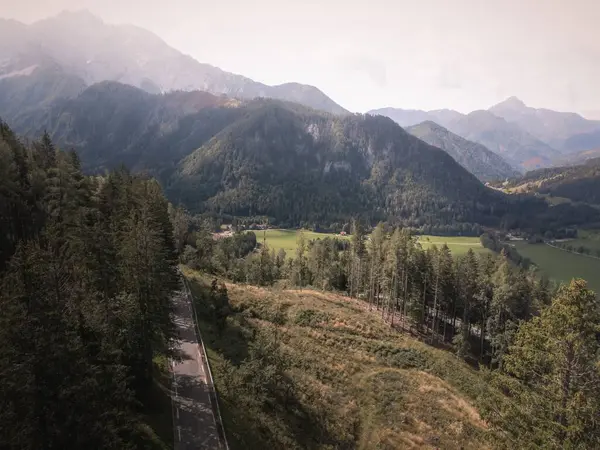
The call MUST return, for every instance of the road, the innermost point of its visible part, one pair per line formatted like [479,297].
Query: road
[194,421]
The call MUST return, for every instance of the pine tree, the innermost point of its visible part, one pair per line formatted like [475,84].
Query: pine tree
[556,355]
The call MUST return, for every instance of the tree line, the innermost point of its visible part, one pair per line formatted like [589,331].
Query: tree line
[87,267]
[537,340]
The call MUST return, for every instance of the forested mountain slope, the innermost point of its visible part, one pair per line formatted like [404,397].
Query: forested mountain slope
[578,183]
[110,124]
[283,160]
[298,165]
[95,51]
[481,162]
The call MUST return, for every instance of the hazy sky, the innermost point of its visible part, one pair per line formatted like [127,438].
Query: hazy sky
[425,54]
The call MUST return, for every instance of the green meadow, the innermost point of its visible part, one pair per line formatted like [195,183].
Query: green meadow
[560,265]
[288,240]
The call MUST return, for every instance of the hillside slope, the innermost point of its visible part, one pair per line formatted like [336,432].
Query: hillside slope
[304,369]
[297,165]
[481,162]
[577,183]
[110,124]
[95,51]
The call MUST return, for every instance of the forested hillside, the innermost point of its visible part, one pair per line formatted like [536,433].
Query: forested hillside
[297,165]
[269,158]
[528,336]
[87,268]
[481,162]
[577,183]
[110,124]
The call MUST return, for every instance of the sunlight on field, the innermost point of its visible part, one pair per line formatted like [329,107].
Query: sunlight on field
[288,239]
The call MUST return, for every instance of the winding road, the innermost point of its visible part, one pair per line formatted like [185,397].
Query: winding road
[194,419]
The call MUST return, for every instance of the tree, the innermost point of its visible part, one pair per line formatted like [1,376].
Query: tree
[557,356]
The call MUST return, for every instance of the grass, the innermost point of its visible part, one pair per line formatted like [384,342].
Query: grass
[288,239]
[588,239]
[458,245]
[560,265]
[305,369]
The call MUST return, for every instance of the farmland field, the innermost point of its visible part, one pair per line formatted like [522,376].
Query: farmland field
[588,239]
[287,240]
[560,265]
[458,244]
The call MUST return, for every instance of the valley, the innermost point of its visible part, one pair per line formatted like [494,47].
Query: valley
[190,257]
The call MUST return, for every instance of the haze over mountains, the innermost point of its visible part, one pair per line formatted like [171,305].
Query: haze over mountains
[120,95]
[477,159]
[526,137]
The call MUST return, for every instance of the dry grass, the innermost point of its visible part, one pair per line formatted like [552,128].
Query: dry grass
[357,382]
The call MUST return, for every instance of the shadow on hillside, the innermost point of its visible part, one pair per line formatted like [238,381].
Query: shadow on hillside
[260,403]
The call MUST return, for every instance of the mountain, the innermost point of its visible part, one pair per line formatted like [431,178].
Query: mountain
[575,159]
[582,142]
[577,183]
[557,129]
[94,51]
[299,165]
[506,139]
[481,162]
[410,117]
[28,84]
[110,124]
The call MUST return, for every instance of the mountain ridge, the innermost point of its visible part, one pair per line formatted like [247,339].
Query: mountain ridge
[476,158]
[95,51]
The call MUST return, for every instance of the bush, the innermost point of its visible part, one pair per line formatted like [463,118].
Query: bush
[311,318]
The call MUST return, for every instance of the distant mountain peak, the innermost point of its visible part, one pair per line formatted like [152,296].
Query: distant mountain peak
[81,16]
[511,103]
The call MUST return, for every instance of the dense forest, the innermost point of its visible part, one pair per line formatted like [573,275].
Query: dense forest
[298,166]
[87,267]
[485,308]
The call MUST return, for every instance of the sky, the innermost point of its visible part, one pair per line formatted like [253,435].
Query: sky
[425,54]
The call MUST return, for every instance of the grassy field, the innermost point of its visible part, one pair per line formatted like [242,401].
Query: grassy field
[560,265]
[589,239]
[287,240]
[305,369]
[457,244]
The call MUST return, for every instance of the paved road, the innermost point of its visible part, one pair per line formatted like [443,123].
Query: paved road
[193,418]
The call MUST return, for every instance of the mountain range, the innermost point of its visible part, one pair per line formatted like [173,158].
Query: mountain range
[526,137]
[86,47]
[217,145]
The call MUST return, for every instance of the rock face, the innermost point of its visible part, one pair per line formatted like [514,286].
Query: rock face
[94,51]
[477,159]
